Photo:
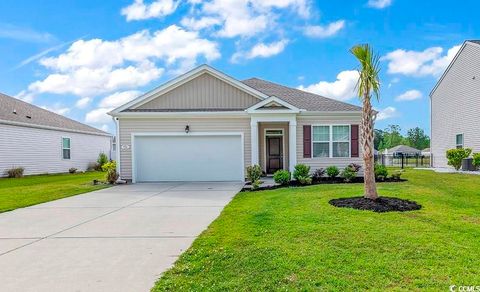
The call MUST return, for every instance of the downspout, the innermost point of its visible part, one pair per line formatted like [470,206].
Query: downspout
[117,141]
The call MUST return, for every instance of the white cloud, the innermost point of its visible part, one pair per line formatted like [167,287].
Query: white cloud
[409,95]
[317,31]
[420,63]
[83,102]
[140,11]
[98,116]
[379,4]
[94,67]
[341,89]
[261,50]
[387,113]
[105,128]
[9,31]
[242,18]
[119,98]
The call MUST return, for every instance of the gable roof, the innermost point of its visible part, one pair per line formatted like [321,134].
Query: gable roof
[475,43]
[17,112]
[182,79]
[403,149]
[299,98]
[281,106]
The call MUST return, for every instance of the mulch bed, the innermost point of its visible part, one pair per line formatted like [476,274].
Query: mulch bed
[323,180]
[380,205]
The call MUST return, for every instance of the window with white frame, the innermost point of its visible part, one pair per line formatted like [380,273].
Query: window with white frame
[331,141]
[66,148]
[321,141]
[340,141]
[459,140]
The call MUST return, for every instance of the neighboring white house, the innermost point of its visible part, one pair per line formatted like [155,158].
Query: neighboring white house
[455,105]
[207,126]
[41,141]
[388,155]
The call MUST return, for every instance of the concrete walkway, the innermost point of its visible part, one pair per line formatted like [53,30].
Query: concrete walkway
[116,239]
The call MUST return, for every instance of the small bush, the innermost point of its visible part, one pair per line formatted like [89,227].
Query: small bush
[455,156]
[92,166]
[15,172]
[72,170]
[304,180]
[111,169]
[301,170]
[476,160]
[282,177]
[102,159]
[332,171]
[381,172]
[349,173]
[254,172]
[318,174]
[355,167]
[397,174]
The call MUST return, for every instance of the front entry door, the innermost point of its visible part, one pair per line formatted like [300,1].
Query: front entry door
[274,154]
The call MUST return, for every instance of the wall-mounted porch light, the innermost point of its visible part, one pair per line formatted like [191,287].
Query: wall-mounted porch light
[187,129]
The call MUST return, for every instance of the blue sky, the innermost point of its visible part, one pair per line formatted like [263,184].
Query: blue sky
[83,58]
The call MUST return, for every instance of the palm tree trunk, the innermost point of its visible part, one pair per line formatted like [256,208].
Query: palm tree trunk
[368,155]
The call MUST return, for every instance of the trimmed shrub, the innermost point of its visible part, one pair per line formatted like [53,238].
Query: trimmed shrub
[72,170]
[302,174]
[349,173]
[455,156]
[254,172]
[111,169]
[102,159]
[301,170]
[476,160]
[381,172]
[15,172]
[397,174]
[318,174]
[282,177]
[332,171]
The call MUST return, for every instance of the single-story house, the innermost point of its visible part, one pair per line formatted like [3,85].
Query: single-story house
[455,103]
[402,149]
[207,126]
[41,141]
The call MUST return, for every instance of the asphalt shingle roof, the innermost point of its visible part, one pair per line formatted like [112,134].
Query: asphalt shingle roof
[299,98]
[15,110]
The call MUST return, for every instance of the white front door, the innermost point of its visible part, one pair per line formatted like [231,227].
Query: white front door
[188,158]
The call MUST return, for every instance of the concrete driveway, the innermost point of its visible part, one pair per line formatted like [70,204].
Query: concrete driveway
[116,239]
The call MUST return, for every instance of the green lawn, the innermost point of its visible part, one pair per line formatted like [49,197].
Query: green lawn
[30,190]
[292,239]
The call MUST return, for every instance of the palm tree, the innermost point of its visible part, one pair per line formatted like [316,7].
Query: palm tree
[367,84]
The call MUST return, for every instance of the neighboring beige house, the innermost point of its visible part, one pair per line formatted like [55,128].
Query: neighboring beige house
[41,141]
[455,105]
[207,126]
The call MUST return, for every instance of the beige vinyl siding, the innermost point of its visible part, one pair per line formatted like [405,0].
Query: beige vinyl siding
[207,124]
[40,150]
[203,92]
[261,142]
[455,106]
[317,162]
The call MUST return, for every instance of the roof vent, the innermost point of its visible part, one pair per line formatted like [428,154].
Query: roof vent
[28,117]
[14,111]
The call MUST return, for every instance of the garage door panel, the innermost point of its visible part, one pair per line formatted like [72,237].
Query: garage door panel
[188,158]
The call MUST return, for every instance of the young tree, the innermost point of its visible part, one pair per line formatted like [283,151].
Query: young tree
[368,84]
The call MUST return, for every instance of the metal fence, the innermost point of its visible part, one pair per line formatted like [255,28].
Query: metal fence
[403,160]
